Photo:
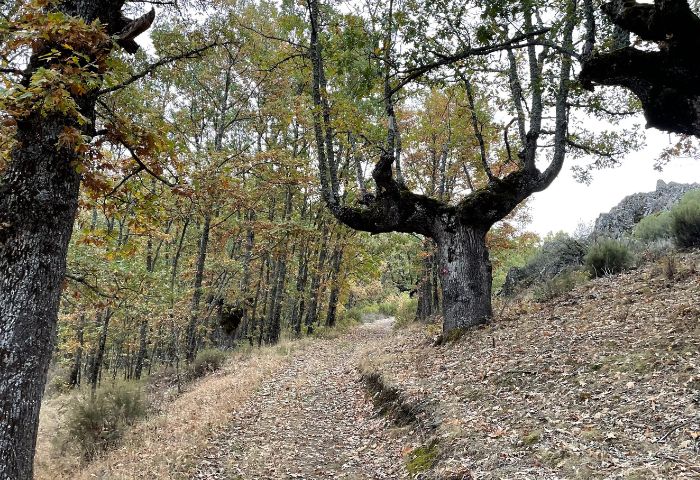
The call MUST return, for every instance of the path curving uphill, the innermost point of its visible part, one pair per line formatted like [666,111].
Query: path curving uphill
[313,421]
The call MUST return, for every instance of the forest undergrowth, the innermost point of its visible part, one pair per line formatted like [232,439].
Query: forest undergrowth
[600,382]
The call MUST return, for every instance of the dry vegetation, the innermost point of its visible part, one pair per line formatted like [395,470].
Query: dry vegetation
[170,443]
[603,382]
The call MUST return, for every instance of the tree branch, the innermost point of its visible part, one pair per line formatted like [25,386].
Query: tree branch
[194,53]
[512,43]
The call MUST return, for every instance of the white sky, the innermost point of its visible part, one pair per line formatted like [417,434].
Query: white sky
[567,203]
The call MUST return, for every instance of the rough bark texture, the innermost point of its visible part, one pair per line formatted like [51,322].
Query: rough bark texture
[465,271]
[666,81]
[38,203]
[197,293]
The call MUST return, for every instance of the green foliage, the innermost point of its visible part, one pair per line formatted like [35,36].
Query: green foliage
[654,227]
[686,220]
[559,252]
[608,256]
[559,284]
[422,459]
[96,424]
[208,361]
[406,311]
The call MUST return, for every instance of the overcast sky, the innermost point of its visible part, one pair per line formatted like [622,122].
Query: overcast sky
[567,203]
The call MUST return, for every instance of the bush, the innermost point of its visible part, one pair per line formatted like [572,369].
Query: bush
[558,253]
[559,285]
[207,361]
[406,311]
[608,256]
[387,308]
[657,226]
[96,424]
[686,220]
[57,381]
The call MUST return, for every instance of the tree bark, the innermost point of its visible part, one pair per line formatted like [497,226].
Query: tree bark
[465,271]
[38,204]
[74,377]
[666,80]
[197,294]
[143,345]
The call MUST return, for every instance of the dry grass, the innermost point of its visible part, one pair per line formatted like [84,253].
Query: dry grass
[167,445]
[603,382]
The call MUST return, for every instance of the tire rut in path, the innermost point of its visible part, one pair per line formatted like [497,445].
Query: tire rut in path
[311,422]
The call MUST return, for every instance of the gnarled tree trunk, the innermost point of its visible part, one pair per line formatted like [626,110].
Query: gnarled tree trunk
[465,271]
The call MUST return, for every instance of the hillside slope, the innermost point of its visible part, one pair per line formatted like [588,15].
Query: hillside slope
[603,382]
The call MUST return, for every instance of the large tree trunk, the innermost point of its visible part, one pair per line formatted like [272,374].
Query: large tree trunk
[38,202]
[465,270]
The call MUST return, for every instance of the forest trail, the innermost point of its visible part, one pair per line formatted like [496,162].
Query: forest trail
[313,421]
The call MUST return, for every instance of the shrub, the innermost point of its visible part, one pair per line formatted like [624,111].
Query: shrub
[388,308]
[406,311]
[207,361]
[559,284]
[558,253]
[657,226]
[686,220]
[96,424]
[608,256]
[350,315]
[57,381]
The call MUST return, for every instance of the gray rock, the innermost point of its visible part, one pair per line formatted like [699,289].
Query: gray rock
[622,218]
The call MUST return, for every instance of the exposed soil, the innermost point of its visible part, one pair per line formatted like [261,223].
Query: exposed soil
[312,421]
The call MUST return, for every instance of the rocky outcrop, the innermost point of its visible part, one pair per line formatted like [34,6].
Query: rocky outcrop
[622,218]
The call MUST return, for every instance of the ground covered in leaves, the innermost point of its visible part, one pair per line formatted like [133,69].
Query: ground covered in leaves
[602,382]
[312,421]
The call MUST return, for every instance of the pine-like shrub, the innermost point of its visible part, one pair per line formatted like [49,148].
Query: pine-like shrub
[686,220]
[657,226]
[207,361]
[608,256]
[96,423]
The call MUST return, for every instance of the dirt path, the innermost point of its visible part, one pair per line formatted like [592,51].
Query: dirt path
[311,422]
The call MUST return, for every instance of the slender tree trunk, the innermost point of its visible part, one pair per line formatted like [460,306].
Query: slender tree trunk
[143,345]
[98,357]
[74,377]
[336,262]
[302,276]
[312,314]
[465,270]
[197,294]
